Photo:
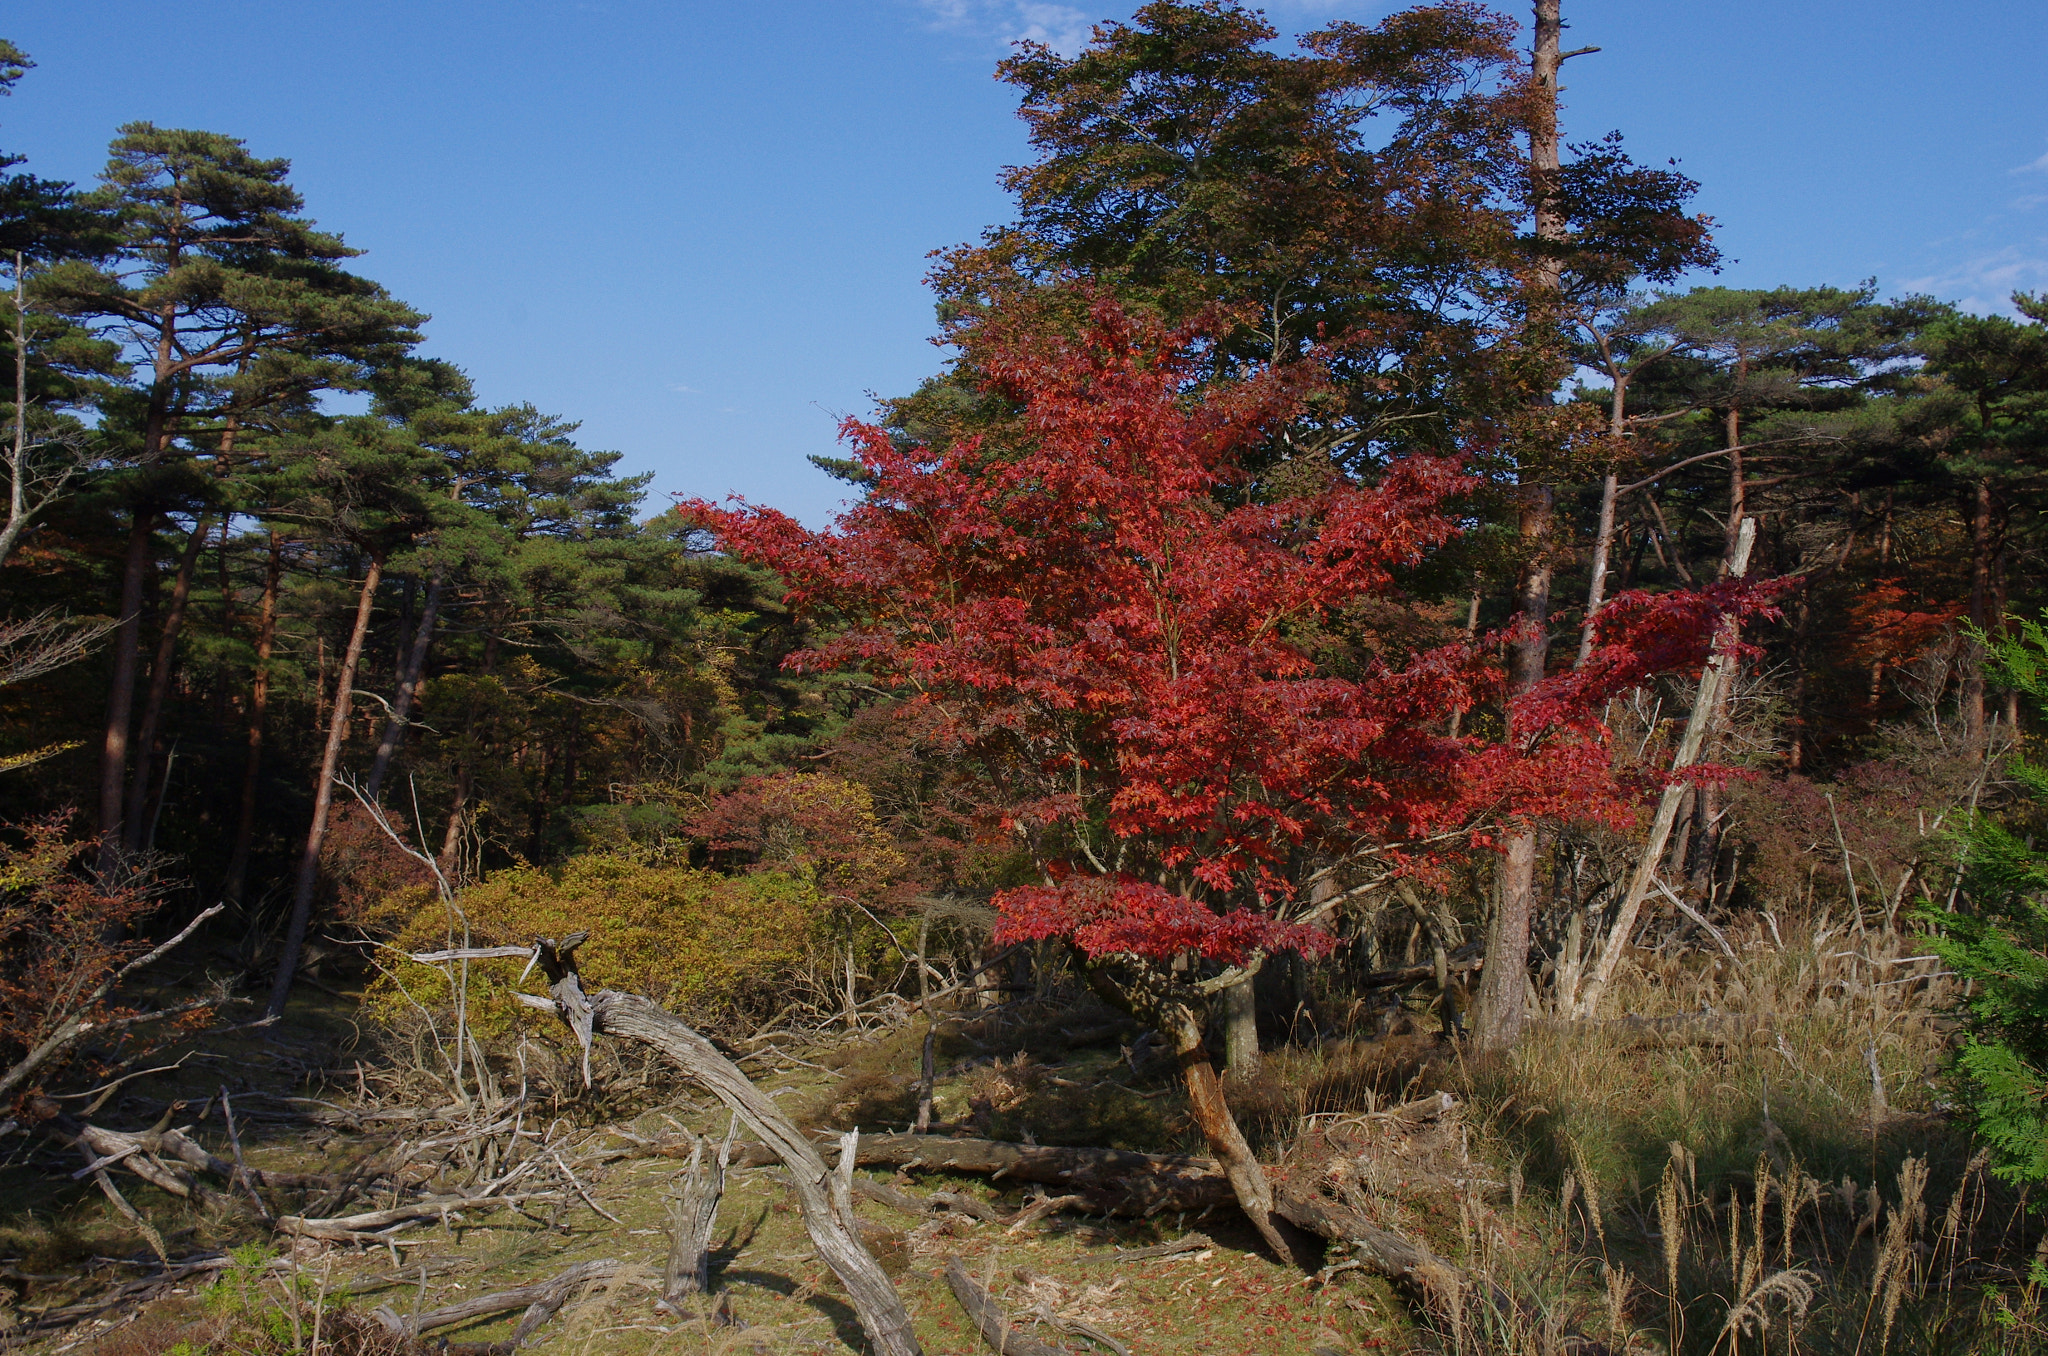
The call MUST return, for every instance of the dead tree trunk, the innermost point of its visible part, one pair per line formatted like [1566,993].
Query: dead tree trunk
[824,1196]
[692,1215]
[987,1316]
[1719,670]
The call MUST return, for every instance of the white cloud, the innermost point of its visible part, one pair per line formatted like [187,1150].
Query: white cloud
[1985,284]
[2032,167]
[1061,27]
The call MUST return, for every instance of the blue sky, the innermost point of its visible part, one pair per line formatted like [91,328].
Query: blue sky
[700,228]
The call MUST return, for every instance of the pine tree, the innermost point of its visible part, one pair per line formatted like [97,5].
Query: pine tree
[217,282]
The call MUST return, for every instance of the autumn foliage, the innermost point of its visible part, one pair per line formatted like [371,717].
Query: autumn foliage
[62,936]
[1159,662]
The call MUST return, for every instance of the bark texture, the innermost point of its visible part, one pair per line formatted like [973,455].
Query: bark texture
[692,1215]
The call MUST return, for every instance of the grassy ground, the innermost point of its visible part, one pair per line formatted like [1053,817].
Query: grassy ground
[1779,1173]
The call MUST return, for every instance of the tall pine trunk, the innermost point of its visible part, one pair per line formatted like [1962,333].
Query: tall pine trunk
[121,690]
[259,704]
[17,463]
[323,796]
[411,671]
[137,810]
[1502,997]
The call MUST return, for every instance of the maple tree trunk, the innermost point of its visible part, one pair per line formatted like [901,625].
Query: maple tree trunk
[259,704]
[1176,1010]
[323,797]
[121,690]
[136,813]
[1503,984]
[411,671]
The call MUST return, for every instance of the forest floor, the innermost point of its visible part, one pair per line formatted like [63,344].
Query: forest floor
[63,1246]
[1760,1147]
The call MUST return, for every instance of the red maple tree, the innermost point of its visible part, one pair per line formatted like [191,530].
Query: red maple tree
[1153,658]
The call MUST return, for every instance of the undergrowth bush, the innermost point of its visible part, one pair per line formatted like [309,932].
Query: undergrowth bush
[716,949]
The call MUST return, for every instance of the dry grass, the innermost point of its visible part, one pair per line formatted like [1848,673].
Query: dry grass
[1757,1155]
[1751,1154]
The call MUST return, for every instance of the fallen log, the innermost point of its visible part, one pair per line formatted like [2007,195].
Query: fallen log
[1135,1183]
[352,1228]
[885,1194]
[541,1300]
[1416,974]
[987,1316]
[1116,1181]
[1187,1243]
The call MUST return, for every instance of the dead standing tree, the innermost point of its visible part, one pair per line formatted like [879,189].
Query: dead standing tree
[824,1195]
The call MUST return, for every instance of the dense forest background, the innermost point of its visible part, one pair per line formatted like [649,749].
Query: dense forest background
[484,626]
[1353,571]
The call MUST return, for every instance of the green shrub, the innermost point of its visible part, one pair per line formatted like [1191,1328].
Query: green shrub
[2002,948]
[712,948]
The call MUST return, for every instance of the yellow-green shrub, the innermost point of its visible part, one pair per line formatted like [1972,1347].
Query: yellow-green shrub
[711,948]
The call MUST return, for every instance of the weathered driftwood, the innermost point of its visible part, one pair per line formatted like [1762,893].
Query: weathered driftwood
[1116,1181]
[541,1300]
[353,1228]
[824,1196]
[1076,1327]
[163,1156]
[960,1203]
[692,1215]
[1040,1208]
[987,1316]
